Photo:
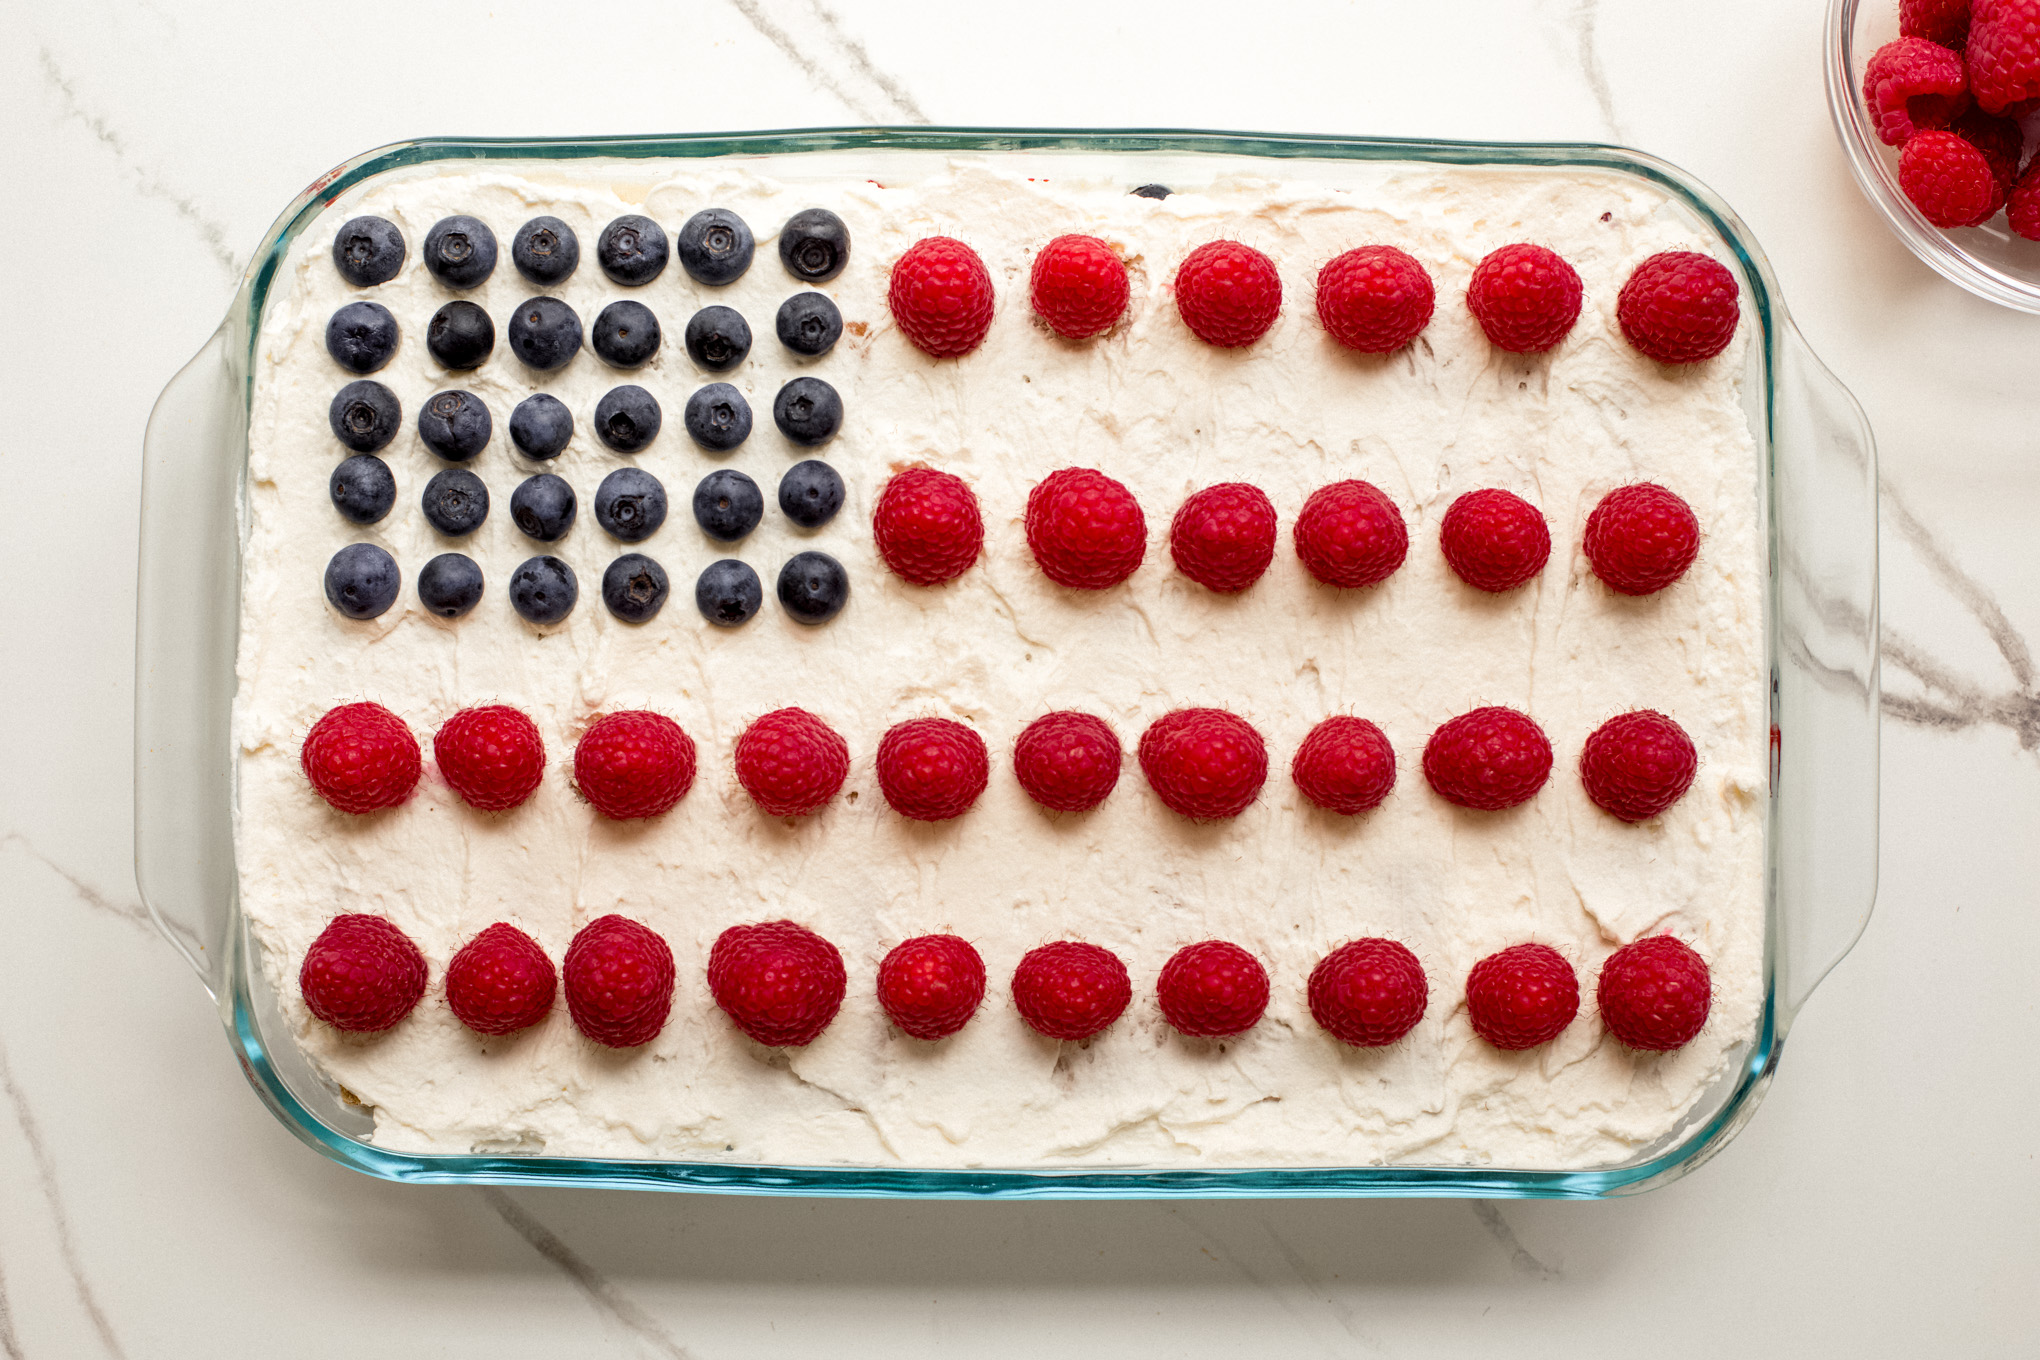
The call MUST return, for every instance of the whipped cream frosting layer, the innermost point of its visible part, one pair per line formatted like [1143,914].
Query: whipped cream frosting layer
[1151,405]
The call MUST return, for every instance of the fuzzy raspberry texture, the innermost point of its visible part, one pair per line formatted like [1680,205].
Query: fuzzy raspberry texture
[1641,538]
[1911,84]
[1067,762]
[618,977]
[2004,52]
[941,297]
[1654,993]
[928,526]
[1489,759]
[1212,990]
[1070,990]
[634,764]
[500,981]
[2002,142]
[1086,530]
[361,974]
[1078,286]
[791,762]
[1368,993]
[1350,534]
[931,986]
[492,756]
[1375,299]
[1679,307]
[1205,763]
[1522,997]
[778,982]
[1345,765]
[1941,21]
[1525,297]
[1494,539]
[361,757]
[1949,180]
[2023,212]
[932,769]
[1224,536]
[1228,293]
[1636,765]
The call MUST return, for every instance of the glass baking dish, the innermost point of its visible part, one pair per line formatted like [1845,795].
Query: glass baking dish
[1818,502]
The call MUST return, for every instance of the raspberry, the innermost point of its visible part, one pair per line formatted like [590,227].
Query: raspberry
[491,756]
[1489,759]
[791,762]
[778,982]
[1941,21]
[1679,307]
[619,982]
[931,986]
[1494,539]
[362,974]
[1949,180]
[941,296]
[2004,52]
[361,757]
[1079,286]
[1912,84]
[1345,765]
[1228,293]
[1641,538]
[1637,764]
[1522,997]
[1212,990]
[1224,536]
[500,981]
[1654,993]
[1067,761]
[932,769]
[2000,140]
[1525,297]
[1204,762]
[1375,299]
[1350,534]
[1085,530]
[927,526]
[1070,990]
[634,764]
[1368,993]
[2023,213]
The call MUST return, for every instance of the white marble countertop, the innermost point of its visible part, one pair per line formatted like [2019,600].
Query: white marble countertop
[1884,1199]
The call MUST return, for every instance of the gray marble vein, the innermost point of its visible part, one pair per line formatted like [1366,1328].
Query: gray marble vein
[1578,25]
[1216,1245]
[134,913]
[1520,1260]
[600,1292]
[10,1340]
[831,58]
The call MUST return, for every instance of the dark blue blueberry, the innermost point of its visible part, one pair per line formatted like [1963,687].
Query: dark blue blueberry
[728,505]
[368,251]
[728,593]
[460,251]
[632,250]
[718,417]
[543,507]
[454,424]
[456,502]
[450,585]
[635,588]
[362,337]
[363,489]
[545,250]
[718,338]
[543,589]
[1152,191]
[808,411]
[545,333]
[362,581]
[809,323]
[625,335]
[541,426]
[813,587]
[460,334]
[627,418]
[810,493]
[715,246]
[365,415]
[630,504]
[814,245]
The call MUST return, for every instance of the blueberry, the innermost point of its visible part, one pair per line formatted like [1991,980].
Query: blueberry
[543,507]
[545,333]
[545,250]
[718,417]
[456,502]
[809,323]
[365,415]
[813,587]
[625,335]
[362,581]
[814,245]
[1152,191]
[808,411]
[718,338]
[450,585]
[728,593]
[630,504]
[460,334]
[632,250]
[541,426]
[635,588]
[728,505]
[362,336]
[362,488]
[627,418]
[454,424]
[715,246]
[543,589]
[810,493]
[460,251]
[368,251]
